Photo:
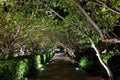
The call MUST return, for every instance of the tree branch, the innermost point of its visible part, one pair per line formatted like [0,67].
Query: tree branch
[69,50]
[90,20]
[112,40]
[100,59]
[58,15]
[117,8]
[68,40]
[99,3]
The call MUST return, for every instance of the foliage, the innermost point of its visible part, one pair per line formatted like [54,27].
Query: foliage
[25,79]
[84,63]
[32,24]
[37,61]
[14,54]
[107,56]
[44,58]
[10,69]
[41,59]
[51,54]
[21,69]
[35,23]
[17,68]
[48,56]
[23,23]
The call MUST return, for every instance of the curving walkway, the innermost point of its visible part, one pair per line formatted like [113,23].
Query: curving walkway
[59,68]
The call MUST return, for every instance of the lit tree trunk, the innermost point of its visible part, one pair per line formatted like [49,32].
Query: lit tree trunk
[102,63]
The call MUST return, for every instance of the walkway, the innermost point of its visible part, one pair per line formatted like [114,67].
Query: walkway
[59,69]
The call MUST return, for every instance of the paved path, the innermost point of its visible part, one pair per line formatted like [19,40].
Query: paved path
[59,69]
[61,56]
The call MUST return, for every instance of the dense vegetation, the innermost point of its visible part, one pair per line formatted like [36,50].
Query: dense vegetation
[21,67]
[28,26]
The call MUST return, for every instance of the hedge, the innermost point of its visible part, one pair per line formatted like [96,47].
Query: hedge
[13,70]
[18,67]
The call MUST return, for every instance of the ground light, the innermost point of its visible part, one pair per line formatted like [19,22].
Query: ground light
[77,69]
[41,69]
[39,66]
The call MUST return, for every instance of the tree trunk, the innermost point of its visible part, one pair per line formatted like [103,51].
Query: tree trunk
[102,63]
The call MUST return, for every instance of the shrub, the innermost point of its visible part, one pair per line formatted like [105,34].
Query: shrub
[18,67]
[51,55]
[7,70]
[47,56]
[37,61]
[13,54]
[84,63]
[13,70]
[107,56]
[21,69]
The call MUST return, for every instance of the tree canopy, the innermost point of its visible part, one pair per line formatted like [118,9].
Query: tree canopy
[25,23]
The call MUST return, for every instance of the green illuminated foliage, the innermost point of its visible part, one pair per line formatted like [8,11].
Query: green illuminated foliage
[84,63]
[37,62]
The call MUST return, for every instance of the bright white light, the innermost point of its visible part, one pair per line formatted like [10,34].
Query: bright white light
[77,68]
[42,69]
[39,66]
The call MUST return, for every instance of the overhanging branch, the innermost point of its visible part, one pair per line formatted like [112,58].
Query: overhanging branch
[99,3]
[90,20]
[100,59]
[104,5]
[58,14]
